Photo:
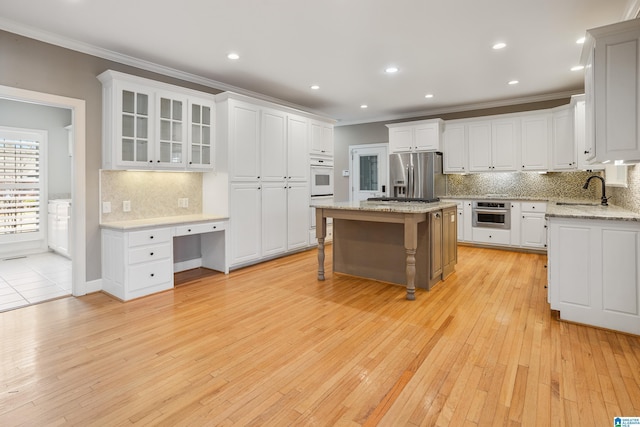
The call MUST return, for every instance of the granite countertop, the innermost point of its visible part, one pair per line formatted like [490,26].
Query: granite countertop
[595,211]
[159,222]
[497,197]
[377,206]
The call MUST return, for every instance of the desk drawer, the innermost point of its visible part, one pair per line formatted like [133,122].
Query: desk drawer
[150,253]
[206,227]
[148,237]
[150,274]
[534,207]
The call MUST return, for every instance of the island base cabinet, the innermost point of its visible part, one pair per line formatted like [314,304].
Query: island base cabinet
[593,272]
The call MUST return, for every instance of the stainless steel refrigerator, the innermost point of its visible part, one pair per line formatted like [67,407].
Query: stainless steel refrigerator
[416,176]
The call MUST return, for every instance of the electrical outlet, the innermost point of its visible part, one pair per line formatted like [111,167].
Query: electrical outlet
[126,206]
[106,207]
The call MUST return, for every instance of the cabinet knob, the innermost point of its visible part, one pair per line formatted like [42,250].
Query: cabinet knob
[152,275]
[214,227]
[189,230]
[586,152]
[151,254]
[158,161]
[151,161]
[190,163]
[151,237]
[258,177]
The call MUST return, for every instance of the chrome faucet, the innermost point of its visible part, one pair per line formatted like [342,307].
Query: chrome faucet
[604,194]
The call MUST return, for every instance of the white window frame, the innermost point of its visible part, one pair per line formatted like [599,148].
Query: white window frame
[42,137]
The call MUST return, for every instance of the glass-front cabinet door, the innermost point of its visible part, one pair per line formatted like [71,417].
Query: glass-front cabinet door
[201,142]
[135,127]
[171,135]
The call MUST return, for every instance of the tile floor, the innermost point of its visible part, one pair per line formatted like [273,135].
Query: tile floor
[33,279]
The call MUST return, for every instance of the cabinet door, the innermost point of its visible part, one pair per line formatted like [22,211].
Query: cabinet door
[449,240]
[321,138]
[580,135]
[297,215]
[273,138]
[401,139]
[533,230]
[460,223]
[564,150]
[455,148]
[536,137]
[479,146]
[134,130]
[171,131]
[427,136]
[274,218]
[297,149]
[435,226]
[201,134]
[245,222]
[505,139]
[244,141]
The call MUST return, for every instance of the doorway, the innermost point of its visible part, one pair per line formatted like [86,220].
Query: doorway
[78,212]
[368,167]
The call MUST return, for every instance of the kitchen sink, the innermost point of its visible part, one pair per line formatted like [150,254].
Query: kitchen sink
[577,204]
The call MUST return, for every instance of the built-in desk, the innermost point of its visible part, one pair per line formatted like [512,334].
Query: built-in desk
[137,255]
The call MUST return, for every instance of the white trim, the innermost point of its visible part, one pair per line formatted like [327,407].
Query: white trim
[632,10]
[187,265]
[93,286]
[78,191]
[67,43]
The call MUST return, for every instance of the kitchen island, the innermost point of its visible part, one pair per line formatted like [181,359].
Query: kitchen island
[407,243]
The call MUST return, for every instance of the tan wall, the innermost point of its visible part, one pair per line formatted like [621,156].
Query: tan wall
[29,64]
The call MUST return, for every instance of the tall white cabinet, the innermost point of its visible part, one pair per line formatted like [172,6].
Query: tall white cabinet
[267,150]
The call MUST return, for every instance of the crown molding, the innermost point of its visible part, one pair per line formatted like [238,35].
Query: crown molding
[468,107]
[78,46]
[632,10]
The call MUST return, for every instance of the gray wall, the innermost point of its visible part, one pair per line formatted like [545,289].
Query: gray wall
[37,66]
[371,133]
[53,120]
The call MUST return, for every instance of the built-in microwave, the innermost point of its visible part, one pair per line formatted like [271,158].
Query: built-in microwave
[321,178]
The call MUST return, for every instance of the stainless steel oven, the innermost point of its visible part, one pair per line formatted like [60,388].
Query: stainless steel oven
[492,214]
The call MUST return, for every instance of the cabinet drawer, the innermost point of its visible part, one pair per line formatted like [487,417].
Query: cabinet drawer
[150,274]
[206,227]
[148,237]
[488,235]
[149,253]
[534,207]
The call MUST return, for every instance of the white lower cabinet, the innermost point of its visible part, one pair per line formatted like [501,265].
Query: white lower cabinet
[533,225]
[136,263]
[58,229]
[297,215]
[593,274]
[492,236]
[245,221]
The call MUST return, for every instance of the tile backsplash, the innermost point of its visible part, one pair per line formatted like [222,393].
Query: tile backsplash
[628,198]
[152,194]
[552,185]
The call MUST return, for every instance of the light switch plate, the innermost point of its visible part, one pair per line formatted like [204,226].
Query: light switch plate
[106,207]
[345,172]
[126,206]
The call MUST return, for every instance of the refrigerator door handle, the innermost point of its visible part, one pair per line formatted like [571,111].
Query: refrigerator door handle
[411,183]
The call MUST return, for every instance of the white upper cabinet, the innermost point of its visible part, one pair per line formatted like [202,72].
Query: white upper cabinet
[273,145]
[150,125]
[493,145]
[611,56]
[579,135]
[454,147]
[423,135]
[321,139]
[243,141]
[563,154]
[536,137]
[297,148]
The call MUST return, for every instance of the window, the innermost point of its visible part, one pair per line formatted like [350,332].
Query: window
[21,189]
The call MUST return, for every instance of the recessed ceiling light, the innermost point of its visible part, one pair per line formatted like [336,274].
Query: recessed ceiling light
[429,95]
[391,70]
[580,40]
[233,56]
[315,87]
[577,68]
[363,106]
[499,46]
[514,82]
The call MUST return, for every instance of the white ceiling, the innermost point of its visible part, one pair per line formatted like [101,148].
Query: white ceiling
[442,47]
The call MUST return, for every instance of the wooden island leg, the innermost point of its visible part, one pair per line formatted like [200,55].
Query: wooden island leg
[321,231]
[410,246]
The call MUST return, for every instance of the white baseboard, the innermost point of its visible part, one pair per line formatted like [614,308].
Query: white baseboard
[187,265]
[93,286]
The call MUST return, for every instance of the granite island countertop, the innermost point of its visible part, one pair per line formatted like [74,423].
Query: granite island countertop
[379,206]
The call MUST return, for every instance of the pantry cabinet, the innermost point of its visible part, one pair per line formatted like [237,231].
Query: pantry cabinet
[422,135]
[611,56]
[593,277]
[268,156]
[155,126]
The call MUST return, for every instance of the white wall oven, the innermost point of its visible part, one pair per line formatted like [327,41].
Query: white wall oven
[321,178]
[492,214]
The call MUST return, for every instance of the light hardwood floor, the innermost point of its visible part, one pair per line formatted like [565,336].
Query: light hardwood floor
[269,345]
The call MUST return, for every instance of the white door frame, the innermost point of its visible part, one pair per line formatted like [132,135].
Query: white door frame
[78,208]
[364,146]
